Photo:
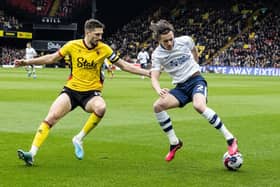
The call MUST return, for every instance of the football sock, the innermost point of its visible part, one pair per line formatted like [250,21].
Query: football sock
[41,135]
[166,125]
[91,123]
[216,122]
[33,150]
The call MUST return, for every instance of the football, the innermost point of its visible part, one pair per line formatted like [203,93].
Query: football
[233,162]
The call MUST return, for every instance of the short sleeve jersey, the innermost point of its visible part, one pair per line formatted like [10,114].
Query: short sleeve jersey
[30,53]
[178,62]
[86,64]
[143,57]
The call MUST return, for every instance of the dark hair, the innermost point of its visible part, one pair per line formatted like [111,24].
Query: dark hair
[161,27]
[92,24]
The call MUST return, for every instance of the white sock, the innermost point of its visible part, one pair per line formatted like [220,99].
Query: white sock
[216,122]
[34,149]
[81,135]
[166,125]
[226,133]
[173,140]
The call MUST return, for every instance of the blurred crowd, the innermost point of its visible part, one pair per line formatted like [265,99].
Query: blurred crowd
[257,47]
[9,22]
[10,54]
[238,34]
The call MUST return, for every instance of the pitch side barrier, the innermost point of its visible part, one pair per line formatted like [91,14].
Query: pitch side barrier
[230,70]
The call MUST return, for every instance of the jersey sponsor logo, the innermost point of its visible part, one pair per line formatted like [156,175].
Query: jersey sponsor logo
[179,61]
[83,63]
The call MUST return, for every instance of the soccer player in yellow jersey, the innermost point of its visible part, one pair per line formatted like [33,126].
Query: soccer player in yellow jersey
[83,87]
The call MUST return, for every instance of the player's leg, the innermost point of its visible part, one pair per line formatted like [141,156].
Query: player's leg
[97,107]
[160,107]
[199,104]
[29,70]
[34,72]
[59,108]
[143,67]
[26,68]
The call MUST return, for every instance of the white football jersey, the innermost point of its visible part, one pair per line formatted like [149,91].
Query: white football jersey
[30,53]
[178,62]
[143,57]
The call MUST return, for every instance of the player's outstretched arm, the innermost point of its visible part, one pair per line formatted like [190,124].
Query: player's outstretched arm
[125,66]
[46,59]
[162,92]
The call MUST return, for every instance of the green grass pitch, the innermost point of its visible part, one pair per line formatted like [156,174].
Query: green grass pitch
[127,149]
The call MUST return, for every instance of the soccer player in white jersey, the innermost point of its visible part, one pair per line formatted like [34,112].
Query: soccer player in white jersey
[29,54]
[143,58]
[178,56]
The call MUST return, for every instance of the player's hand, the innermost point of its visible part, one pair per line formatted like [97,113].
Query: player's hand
[19,62]
[163,92]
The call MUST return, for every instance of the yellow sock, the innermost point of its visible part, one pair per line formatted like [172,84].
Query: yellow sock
[91,123]
[41,135]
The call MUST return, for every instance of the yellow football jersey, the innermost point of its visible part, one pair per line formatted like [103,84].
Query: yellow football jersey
[86,64]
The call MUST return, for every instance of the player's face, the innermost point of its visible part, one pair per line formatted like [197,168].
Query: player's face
[167,40]
[94,36]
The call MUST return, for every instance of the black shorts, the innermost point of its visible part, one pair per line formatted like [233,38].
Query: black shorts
[78,98]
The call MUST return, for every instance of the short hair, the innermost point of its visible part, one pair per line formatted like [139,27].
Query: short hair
[91,24]
[161,27]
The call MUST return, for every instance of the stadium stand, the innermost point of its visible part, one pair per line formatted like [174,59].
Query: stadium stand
[9,22]
[259,46]
[9,54]
[216,28]
[18,18]
[39,7]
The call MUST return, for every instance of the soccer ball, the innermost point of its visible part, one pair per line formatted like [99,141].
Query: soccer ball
[232,162]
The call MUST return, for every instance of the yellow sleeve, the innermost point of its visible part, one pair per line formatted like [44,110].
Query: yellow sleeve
[113,57]
[65,49]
